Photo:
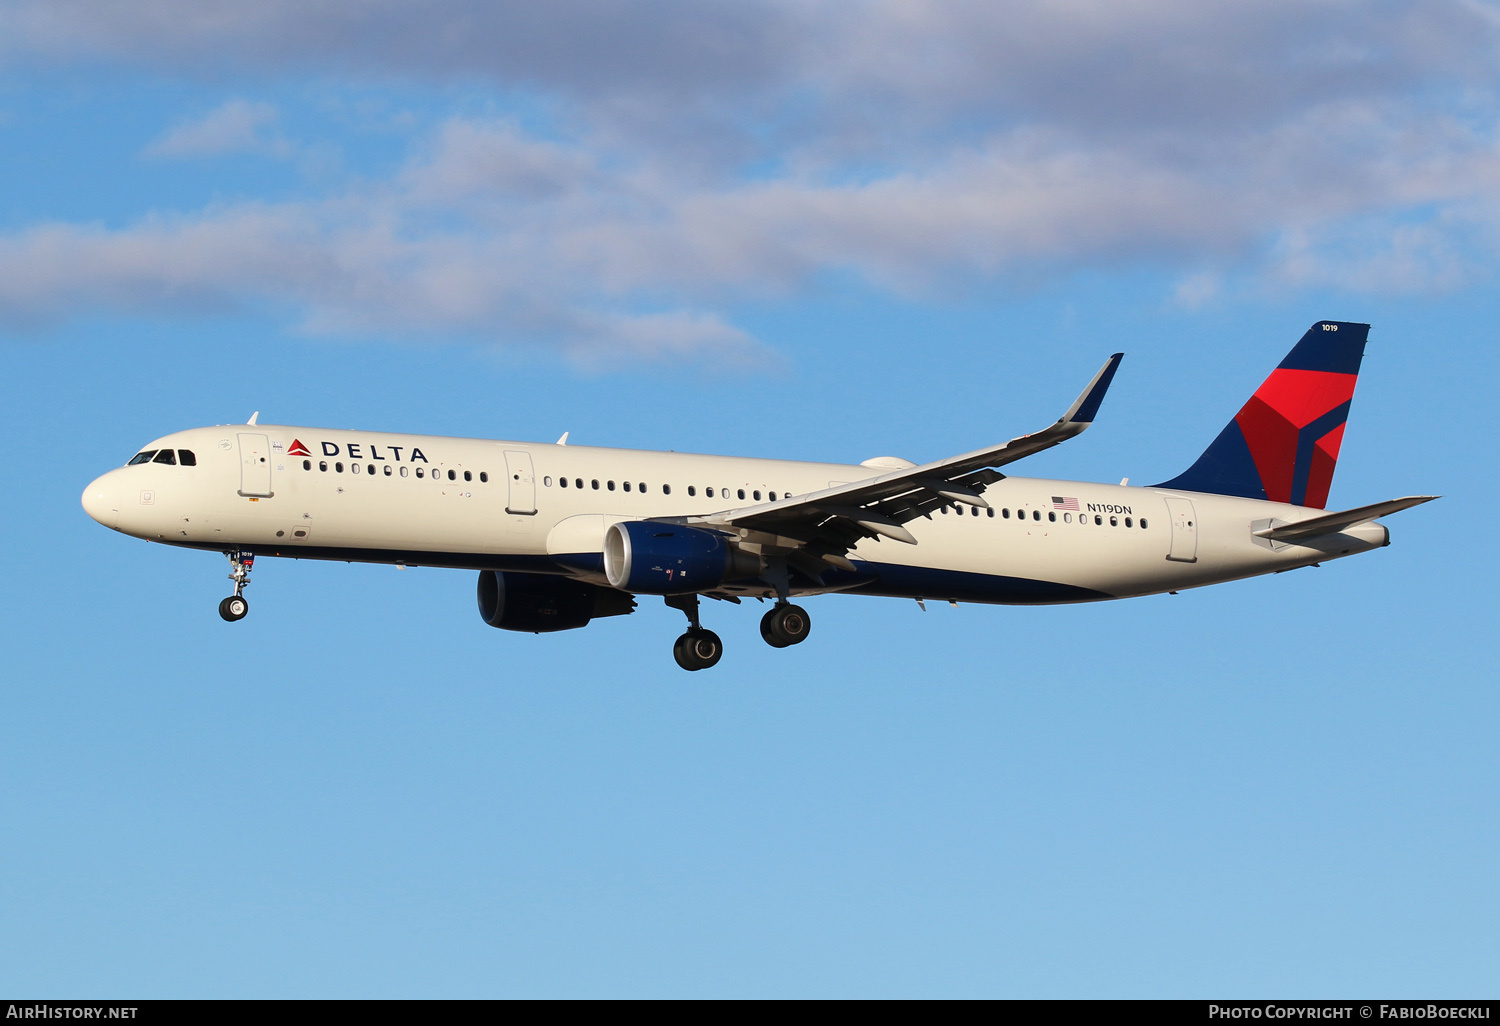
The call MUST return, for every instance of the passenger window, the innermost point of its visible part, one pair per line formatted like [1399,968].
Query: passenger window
[1114,521]
[452,475]
[141,457]
[667,489]
[610,485]
[627,486]
[468,475]
[1005,513]
[354,468]
[578,483]
[692,490]
[546,480]
[166,456]
[990,512]
[1098,521]
[186,458]
[595,483]
[562,482]
[338,467]
[1036,514]
[641,486]
[1127,522]
[307,464]
[741,493]
[403,471]
[709,492]
[323,466]
[974,511]
[419,471]
[387,470]
[484,478]
[371,469]
[1143,523]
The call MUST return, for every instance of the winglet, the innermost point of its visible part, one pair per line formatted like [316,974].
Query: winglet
[1087,405]
[253,418]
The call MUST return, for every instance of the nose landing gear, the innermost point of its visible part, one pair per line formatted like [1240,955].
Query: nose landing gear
[235,607]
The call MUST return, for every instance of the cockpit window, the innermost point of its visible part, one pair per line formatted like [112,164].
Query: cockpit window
[141,457]
[186,458]
[166,456]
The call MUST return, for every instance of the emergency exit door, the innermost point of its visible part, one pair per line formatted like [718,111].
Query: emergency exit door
[522,481]
[1184,523]
[255,465]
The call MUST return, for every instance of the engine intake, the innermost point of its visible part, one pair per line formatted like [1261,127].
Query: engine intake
[540,603]
[667,559]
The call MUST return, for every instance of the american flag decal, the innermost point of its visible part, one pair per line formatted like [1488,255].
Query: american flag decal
[1065,502]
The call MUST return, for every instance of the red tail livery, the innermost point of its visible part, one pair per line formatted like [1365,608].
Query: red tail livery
[1284,442]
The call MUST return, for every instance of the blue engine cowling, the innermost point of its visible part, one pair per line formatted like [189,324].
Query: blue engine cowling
[544,602]
[650,558]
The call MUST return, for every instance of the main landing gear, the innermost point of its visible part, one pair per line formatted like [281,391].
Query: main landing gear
[235,607]
[699,648]
[783,625]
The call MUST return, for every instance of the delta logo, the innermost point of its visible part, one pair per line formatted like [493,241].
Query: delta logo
[356,450]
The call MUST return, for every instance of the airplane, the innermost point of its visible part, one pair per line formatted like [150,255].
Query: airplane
[564,534]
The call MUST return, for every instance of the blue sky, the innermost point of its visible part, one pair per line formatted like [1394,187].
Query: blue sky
[821,231]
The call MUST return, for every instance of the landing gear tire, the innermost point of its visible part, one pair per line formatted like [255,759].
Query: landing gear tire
[785,625]
[698,649]
[234,608]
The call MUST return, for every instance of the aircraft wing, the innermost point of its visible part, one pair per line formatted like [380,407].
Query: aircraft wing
[816,529]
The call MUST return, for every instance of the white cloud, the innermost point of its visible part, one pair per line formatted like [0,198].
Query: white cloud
[922,145]
[236,126]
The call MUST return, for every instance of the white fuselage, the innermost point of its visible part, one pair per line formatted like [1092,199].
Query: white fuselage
[422,500]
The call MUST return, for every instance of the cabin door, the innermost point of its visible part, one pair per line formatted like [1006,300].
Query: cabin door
[1184,524]
[255,465]
[522,482]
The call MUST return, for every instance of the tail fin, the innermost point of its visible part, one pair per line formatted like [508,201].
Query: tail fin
[1284,442]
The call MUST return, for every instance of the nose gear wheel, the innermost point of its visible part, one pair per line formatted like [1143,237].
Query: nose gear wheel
[235,607]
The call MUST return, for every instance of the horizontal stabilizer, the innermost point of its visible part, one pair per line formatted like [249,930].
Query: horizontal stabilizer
[1332,523]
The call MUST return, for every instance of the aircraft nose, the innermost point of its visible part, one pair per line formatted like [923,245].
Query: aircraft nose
[101,500]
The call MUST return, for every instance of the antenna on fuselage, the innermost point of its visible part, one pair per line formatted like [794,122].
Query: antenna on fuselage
[564,439]
[252,417]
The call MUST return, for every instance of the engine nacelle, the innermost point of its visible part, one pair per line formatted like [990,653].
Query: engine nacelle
[651,558]
[544,602]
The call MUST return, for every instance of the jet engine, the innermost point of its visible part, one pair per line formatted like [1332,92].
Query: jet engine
[651,558]
[544,602]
